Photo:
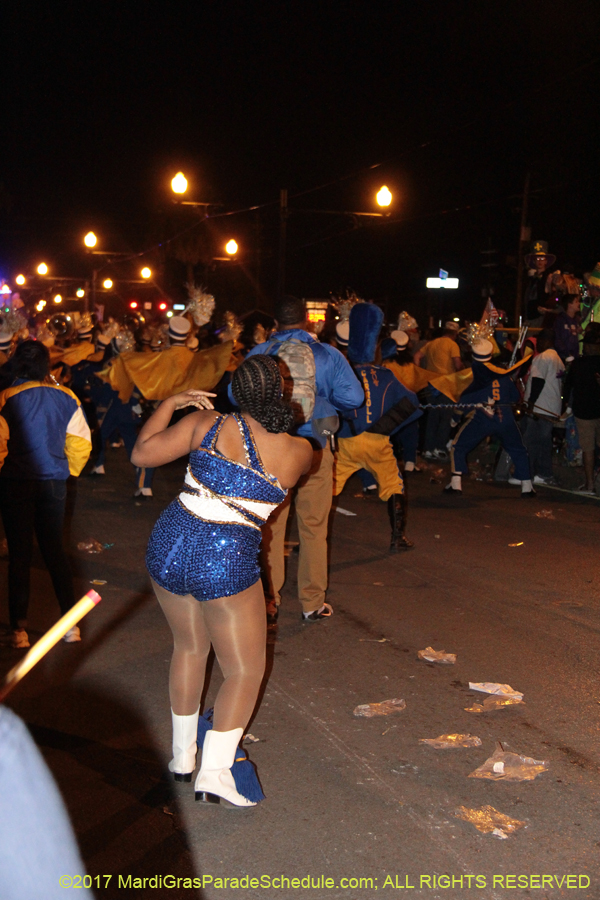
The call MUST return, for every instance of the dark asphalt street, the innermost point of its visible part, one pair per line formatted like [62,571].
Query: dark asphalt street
[347,797]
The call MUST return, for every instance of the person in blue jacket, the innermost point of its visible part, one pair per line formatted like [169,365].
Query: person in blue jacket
[364,439]
[44,438]
[334,387]
[494,393]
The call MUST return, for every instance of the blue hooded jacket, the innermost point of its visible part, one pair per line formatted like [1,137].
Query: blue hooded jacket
[338,388]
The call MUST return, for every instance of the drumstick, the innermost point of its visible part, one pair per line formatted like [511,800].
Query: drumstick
[48,640]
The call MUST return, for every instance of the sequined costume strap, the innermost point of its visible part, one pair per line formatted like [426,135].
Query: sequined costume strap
[252,455]
[209,440]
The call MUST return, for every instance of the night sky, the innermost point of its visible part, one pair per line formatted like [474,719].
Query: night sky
[456,101]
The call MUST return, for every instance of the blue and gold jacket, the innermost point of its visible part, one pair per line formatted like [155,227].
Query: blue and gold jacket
[382,390]
[43,432]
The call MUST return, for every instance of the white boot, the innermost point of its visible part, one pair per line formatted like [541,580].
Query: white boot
[215,783]
[185,732]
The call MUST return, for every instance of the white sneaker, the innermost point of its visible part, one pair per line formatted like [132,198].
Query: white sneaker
[73,635]
[514,481]
[19,639]
[539,479]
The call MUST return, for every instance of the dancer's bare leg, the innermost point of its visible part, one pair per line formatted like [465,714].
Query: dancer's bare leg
[237,627]
[191,646]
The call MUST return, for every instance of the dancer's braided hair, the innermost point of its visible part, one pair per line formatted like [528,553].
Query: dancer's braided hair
[257,389]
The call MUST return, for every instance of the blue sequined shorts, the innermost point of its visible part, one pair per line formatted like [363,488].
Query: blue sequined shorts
[188,556]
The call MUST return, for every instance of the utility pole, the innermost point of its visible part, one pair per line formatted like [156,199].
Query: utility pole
[259,238]
[283,217]
[524,237]
[490,264]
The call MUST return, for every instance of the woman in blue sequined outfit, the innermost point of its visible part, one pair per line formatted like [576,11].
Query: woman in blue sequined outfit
[203,557]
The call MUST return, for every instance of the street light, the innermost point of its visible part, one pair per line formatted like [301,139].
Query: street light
[384,196]
[90,240]
[179,184]
[231,247]
[107,284]
[20,279]
[42,269]
[146,272]
[57,298]
[80,292]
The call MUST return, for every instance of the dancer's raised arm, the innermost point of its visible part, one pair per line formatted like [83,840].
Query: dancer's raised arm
[158,444]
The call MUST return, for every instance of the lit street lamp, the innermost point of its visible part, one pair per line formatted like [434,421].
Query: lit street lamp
[383,196]
[231,247]
[107,284]
[146,272]
[179,183]
[42,269]
[80,292]
[20,279]
[58,298]
[90,240]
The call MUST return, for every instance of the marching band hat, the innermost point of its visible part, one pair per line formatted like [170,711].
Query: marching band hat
[179,329]
[342,333]
[5,340]
[406,322]
[401,338]
[366,320]
[482,350]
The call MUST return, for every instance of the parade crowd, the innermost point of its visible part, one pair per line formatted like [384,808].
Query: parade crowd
[274,415]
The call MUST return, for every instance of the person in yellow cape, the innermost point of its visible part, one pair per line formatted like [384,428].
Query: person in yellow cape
[132,376]
[161,375]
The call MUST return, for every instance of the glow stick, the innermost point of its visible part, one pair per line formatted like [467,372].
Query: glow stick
[48,640]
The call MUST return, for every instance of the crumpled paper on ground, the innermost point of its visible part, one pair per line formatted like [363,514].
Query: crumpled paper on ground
[545,514]
[447,741]
[488,820]
[90,546]
[498,690]
[492,703]
[385,708]
[438,656]
[503,765]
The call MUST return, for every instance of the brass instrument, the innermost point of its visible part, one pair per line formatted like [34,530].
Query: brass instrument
[61,325]
[133,321]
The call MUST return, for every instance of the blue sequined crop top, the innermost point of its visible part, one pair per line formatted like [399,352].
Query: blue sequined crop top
[220,490]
